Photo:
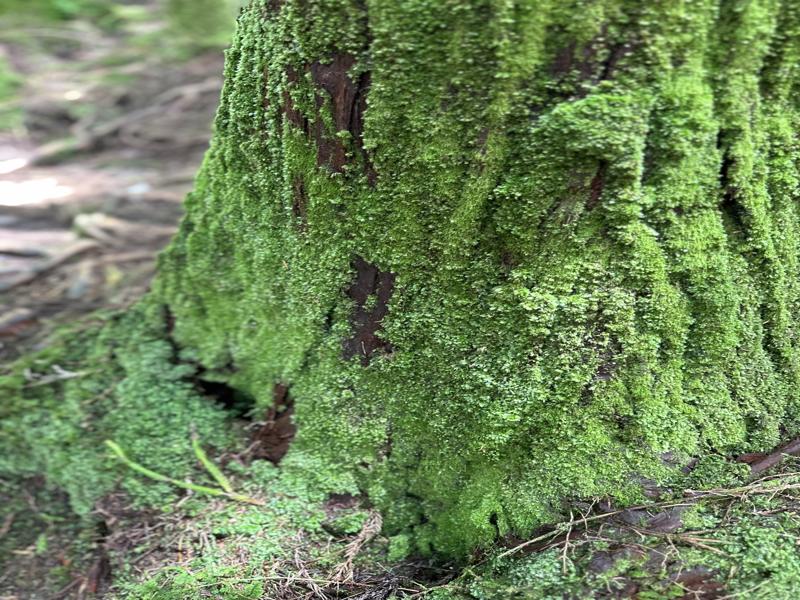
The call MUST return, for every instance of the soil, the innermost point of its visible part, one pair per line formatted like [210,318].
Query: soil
[93,178]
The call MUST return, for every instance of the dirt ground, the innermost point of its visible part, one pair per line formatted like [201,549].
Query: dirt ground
[93,175]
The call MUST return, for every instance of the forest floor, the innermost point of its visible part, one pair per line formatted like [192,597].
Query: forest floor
[100,140]
[102,143]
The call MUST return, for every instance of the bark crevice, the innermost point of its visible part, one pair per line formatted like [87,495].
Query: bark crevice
[370,284]
[272,439]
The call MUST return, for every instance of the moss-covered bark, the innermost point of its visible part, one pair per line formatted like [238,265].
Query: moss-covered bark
[501,253]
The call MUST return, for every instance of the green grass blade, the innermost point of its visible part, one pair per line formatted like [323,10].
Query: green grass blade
[209,465]
[202,489]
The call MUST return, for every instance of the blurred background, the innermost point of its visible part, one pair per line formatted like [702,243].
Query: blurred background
[106,110]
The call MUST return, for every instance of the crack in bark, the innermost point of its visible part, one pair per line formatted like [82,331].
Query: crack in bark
[271,441]
[348,103]
[366,319]
[299,201]
[730,206]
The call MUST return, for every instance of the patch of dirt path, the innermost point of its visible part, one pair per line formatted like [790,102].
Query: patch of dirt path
[92,181]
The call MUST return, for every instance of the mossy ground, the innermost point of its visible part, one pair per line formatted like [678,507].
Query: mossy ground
[162,543]
[740,541]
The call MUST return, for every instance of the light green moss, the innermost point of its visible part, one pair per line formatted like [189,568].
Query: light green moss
[121,381]
[576,293]
[590,209]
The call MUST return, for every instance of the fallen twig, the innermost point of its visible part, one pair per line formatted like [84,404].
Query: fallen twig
[213,469]
[74,250]
[59,374]
[371,528]
[202,489]
[694,496]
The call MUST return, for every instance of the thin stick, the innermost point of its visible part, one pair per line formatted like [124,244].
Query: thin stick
[213,469]
[202,489]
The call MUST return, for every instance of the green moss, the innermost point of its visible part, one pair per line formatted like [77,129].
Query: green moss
[116,379]
[588,206]
[256,549]
[590,211]
[735,544]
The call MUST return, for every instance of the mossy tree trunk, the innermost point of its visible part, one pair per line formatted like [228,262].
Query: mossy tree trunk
[498,254]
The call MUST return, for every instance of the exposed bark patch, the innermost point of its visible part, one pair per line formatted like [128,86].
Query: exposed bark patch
[348,100]
[272,439]
[367,316]
[333,78]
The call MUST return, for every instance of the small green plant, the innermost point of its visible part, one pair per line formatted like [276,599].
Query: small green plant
[202,489]
[10,84]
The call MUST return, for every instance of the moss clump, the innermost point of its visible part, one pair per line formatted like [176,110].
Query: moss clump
[589,209]
[116,379]
[739,542]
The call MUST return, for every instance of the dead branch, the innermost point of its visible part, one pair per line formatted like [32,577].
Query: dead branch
[371,528]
